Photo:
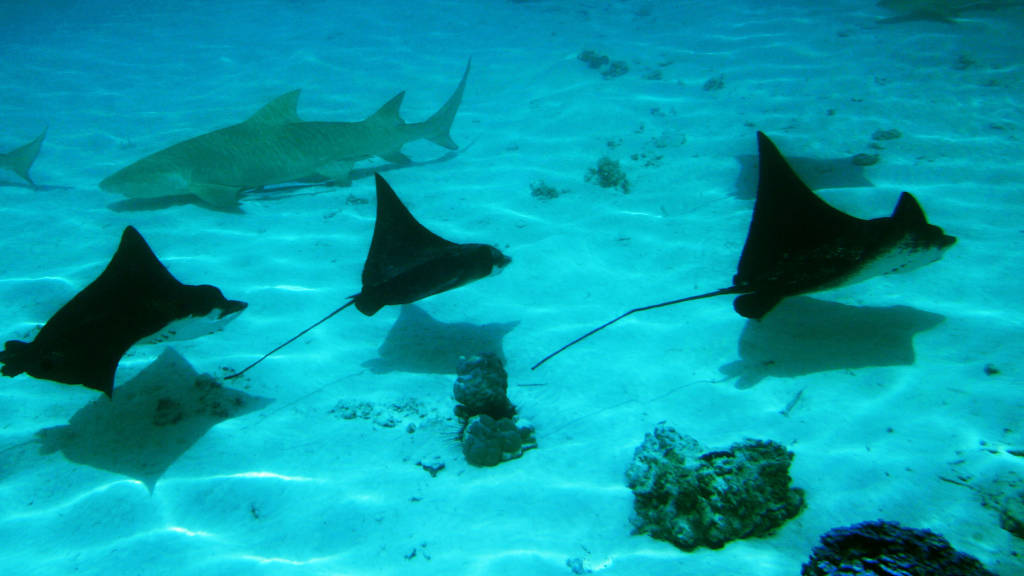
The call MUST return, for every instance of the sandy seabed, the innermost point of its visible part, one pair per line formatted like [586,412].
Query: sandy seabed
[895,399]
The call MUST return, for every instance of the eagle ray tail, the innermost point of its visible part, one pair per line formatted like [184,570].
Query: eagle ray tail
[290,340]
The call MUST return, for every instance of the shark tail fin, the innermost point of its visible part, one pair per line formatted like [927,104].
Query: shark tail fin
[440,123]
[20,159]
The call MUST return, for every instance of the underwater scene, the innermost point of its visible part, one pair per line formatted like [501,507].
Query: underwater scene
[535,287]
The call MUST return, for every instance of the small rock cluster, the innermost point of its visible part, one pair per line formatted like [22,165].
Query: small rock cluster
[608,174]
[692,498]
[408,413]
[491,431]
[1005,494]
[880,547]
[611,68]
[544,191]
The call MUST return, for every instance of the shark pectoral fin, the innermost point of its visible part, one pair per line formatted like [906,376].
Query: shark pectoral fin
[340,172]
[397,157]
[216,194]
[756,304]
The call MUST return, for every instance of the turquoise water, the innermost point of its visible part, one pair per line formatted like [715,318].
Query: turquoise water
[894,396]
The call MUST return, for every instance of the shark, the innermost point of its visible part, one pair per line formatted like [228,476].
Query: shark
[275,146]
[938,10]
[407,263]
[799,244]
[20,159]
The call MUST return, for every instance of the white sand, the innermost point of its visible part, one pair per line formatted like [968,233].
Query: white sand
[294,489]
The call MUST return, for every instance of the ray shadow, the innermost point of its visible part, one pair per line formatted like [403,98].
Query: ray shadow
[151,421]
[804,335]
[419,343]
[817,173]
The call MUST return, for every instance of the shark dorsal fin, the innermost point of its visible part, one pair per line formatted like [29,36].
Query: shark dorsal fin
[788,218]
[280,110]
[389,114]
[908,211]
[399,241]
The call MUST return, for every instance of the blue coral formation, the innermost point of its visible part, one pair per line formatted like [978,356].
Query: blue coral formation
[886,548]
[691,498]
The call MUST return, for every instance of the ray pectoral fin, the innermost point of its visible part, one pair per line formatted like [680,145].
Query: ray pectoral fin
[908,211]
[756,304]
[215,194]
[102,377]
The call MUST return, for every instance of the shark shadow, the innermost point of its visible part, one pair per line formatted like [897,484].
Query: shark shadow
[419,343]
[816,173]
[805,336]
[154,419]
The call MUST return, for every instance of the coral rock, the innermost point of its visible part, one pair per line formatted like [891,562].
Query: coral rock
[692,499]
[608,174]
[881,548]
[488,442]
[481,388]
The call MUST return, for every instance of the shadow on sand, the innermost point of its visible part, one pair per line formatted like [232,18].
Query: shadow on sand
[804,335]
